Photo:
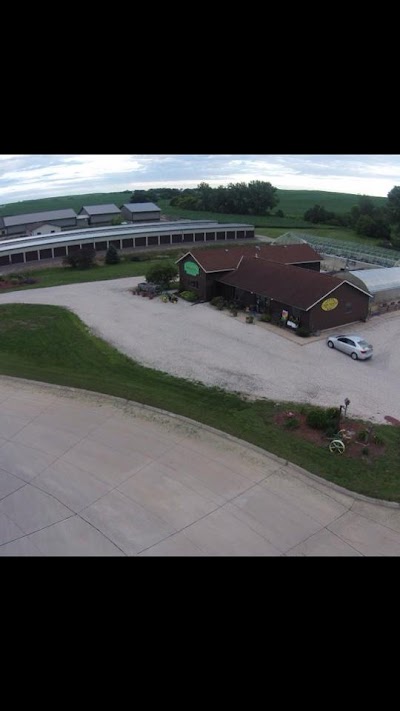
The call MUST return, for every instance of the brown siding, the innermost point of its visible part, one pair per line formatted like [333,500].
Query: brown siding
[345,294]
[206,286]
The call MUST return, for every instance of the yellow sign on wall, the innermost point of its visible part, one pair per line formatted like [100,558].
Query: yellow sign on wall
[329,304]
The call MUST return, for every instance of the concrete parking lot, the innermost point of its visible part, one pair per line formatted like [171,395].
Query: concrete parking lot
[201,343]
[89,475]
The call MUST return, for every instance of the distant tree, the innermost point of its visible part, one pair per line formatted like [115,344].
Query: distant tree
[81,259]
[393,205]
[279,213]
[143,196]
[161,274]
[369,227]
[117,220]
[112,256]
[318,215]
[366,205]
[262,197]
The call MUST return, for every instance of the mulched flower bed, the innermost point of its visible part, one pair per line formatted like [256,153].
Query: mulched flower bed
[16,282]
[354,447]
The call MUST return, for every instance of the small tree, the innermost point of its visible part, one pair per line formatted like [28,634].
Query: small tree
[112,256]
[117,220]
[81,259]
[161,274]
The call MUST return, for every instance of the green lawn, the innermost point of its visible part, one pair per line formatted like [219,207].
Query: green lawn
[57,276]
[50,344]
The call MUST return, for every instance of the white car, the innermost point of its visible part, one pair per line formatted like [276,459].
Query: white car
[354,346]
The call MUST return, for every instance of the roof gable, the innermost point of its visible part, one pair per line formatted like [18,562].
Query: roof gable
[141,207]
[100,209]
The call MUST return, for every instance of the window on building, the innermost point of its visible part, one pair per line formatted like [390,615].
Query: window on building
[348,308]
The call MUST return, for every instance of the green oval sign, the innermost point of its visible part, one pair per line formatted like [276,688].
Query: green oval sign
[191,268]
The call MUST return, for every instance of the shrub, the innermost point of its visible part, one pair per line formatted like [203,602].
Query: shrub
[249,319]
[363,436]
[217,300]
[189,295]
[112,256]
[365,450]
[292,423]
[234,312]
[326,420]
[135,258]
[378,439]
[82,259]
[266,318]
[161,273]
[303,332]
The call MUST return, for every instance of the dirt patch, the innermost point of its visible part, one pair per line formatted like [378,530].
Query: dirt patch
[353,438]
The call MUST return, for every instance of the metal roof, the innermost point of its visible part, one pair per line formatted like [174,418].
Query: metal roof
[101,209]
[33,217]
[376,280]
[141,207]
[118,231]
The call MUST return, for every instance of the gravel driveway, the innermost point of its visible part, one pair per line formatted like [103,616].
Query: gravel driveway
[200,343]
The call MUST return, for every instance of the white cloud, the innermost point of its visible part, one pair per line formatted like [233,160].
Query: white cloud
[33,176]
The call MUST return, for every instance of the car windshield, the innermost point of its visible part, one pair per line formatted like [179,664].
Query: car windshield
[364,344]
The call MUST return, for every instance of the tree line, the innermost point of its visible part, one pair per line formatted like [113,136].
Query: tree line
[255,198]
[365,218]
[259,198]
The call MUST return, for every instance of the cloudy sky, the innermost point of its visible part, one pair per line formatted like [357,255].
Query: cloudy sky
[25,177]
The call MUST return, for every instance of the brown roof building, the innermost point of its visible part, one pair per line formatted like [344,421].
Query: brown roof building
[315,301]
[270,279]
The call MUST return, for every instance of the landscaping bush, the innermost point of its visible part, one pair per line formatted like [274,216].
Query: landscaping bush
[325,420]
[303,332]
[112,256]
[365,450]
[82,259]
[249,319]
[135,258]
[189,296]
[266,318]
[217,301]
[292,423]
[161,274]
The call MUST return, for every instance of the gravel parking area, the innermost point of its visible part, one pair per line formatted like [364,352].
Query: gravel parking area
[200,343]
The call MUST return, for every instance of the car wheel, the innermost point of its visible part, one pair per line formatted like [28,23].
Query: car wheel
[354,356]
[330,344]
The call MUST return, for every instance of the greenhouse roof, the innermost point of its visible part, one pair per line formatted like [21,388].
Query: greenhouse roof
[377,280]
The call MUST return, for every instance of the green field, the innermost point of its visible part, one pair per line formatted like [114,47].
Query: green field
[293,203]
[296,202]
[61,203]
[51,344]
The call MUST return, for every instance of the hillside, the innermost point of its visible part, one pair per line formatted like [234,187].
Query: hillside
[293,203]
[60,203]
